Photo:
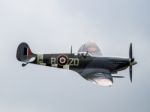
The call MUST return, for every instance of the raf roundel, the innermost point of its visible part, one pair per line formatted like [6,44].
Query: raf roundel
[62,60]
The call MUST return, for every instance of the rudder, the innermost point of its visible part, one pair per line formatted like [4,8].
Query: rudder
[23,52]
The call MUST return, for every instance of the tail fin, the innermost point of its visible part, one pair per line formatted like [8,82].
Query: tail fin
[24,52]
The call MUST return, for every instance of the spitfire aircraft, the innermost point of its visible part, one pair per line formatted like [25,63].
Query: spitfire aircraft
[88,62]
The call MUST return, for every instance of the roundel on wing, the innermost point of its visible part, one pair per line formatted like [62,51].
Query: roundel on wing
[62,60]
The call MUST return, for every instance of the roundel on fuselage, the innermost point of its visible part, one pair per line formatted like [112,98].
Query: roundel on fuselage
[62,60]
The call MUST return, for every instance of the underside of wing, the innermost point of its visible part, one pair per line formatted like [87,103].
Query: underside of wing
[101,77]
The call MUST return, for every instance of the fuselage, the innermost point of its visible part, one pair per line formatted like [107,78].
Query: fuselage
[79,61]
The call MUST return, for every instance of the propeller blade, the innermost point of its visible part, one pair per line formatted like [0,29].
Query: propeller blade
[130,73]
[130,52]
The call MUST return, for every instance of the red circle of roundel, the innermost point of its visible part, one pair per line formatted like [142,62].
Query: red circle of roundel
[62,60]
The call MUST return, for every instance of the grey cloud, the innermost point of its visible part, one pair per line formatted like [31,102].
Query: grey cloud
[53,26]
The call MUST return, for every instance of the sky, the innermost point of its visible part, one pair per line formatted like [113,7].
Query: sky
[52,26]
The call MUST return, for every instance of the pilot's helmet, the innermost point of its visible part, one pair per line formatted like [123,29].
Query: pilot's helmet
[91,48]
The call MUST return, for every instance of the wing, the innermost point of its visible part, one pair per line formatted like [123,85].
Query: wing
[91,48]
[101,77]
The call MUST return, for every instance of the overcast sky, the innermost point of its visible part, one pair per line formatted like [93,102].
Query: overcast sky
[51,26]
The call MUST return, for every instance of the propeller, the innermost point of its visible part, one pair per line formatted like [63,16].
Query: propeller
[131,61]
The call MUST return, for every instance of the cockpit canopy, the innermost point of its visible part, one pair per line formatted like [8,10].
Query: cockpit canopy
[90,49]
